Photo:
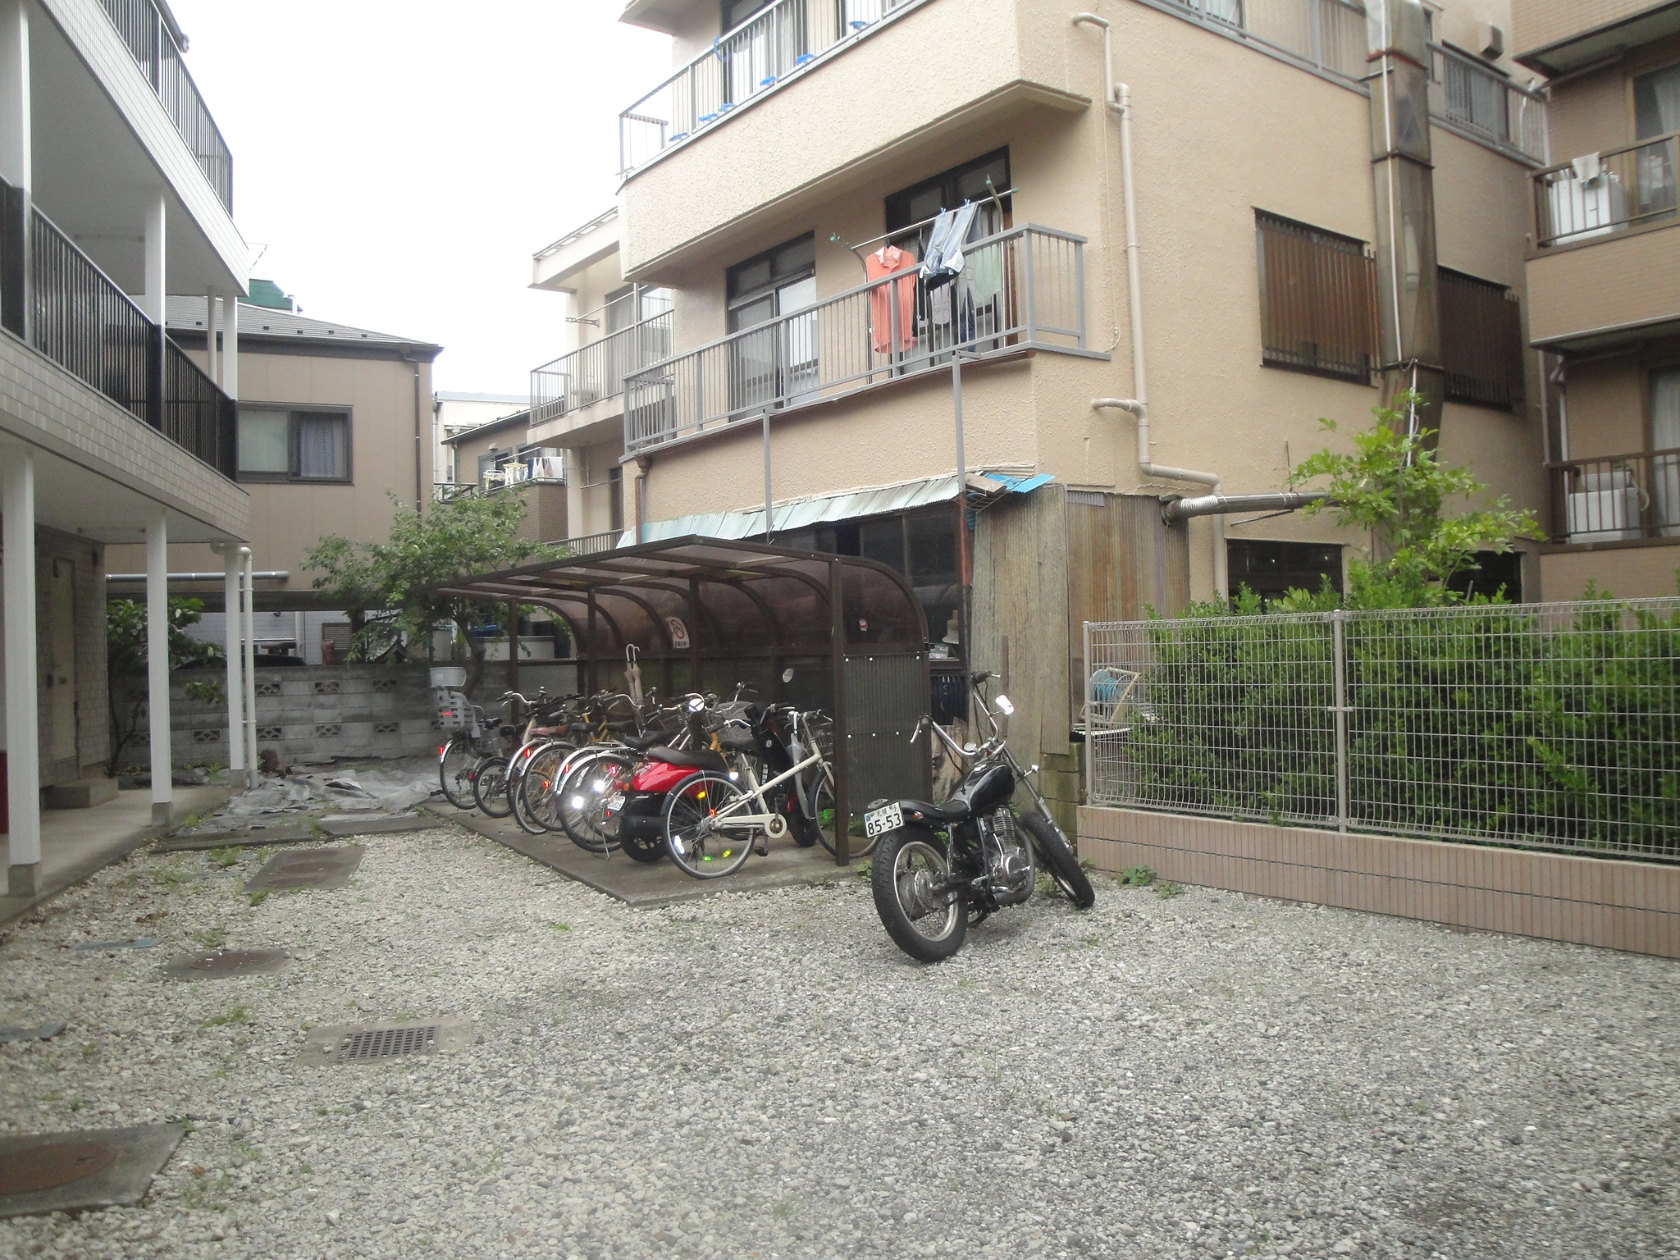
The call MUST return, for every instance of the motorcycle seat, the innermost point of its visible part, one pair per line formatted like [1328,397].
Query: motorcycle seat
[702,759]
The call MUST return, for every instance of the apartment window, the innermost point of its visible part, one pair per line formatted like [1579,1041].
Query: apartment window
[1656,103]
[772,367]
[1317,299]
[1271,569]
[1490,573]
[1481,342]
[946,191]
[278,444]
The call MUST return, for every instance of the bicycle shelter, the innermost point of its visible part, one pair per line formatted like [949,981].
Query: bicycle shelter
[704,614]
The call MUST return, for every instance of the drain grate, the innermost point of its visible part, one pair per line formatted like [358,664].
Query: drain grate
[372,1043]
[387,1043]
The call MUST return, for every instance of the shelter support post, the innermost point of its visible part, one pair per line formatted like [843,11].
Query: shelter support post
[842,807]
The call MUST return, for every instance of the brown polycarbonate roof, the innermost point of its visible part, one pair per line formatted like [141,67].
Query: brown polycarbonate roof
[727,597]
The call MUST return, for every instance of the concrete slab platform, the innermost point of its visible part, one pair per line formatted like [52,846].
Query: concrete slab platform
[322,868]
[343,826]
[78,842]
[646,886]
[34,1032]
[225,964]
[92,1168]
[299,832]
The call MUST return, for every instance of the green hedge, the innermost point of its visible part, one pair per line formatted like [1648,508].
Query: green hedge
[1481,722]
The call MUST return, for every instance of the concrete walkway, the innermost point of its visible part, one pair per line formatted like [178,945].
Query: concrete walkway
[77,842]
[645,885]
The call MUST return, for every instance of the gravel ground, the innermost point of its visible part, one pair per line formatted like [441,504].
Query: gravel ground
[766,1075]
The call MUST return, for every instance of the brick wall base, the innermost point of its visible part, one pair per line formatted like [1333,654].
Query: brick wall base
[1615,904]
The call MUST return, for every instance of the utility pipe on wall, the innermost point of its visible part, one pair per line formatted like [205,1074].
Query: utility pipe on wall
[1118,98]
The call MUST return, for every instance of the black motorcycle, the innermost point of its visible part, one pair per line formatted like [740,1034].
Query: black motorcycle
[939,869]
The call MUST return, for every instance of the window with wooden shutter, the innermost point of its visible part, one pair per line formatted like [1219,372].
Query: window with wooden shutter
[1317,299]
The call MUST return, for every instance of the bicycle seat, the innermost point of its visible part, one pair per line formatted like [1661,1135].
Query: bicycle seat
[702,759]
[642,743]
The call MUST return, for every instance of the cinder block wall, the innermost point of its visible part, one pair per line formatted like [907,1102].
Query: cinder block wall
[313,713]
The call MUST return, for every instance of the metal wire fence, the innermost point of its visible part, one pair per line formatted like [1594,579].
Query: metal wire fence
[1550,725]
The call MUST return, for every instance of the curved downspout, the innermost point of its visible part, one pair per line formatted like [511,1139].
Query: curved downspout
[1119,99]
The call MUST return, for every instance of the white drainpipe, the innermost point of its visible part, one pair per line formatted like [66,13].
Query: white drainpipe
[1119,99]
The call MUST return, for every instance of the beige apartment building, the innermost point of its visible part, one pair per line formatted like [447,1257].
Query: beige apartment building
[333,424]
[1197,227]
[1604,289]
[116,188]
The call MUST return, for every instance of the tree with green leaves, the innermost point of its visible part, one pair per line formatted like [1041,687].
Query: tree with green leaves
[456,538]
[126,648]
[1393,486]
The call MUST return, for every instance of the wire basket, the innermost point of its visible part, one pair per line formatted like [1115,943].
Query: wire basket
[817,729]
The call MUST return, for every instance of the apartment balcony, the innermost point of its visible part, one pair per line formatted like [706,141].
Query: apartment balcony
[58,302]
[1328,37]
[154,42]
[585,387]
[1616,498]
[1021,290]
[795,106]
[1606,267]
[1558,36]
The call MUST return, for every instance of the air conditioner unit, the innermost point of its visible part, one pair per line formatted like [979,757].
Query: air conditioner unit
[1603,507]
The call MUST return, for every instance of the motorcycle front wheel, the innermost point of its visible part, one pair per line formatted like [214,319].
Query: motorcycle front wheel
[1057,858]
[925,920]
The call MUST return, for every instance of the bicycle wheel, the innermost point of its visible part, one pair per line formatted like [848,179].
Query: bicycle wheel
[704,844]
[456,760]
[585,790]
[816,798]
[490,786]
[529,789]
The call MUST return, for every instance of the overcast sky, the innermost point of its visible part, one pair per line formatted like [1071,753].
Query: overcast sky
[397,162]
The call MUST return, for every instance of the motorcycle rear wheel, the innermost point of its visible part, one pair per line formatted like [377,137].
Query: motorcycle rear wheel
[928,925]
[1057,859]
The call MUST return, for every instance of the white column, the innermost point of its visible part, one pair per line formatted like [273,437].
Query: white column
[23,735]
[212,364]
[230,345]
[250,619]
[157,279]
[232,566]
[575,513]
[157,664]
[15,162]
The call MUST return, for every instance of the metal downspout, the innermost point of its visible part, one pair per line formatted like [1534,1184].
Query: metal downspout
[1119,99]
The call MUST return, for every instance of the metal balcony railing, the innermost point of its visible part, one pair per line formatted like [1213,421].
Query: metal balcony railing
[755,57]
[1328,36]
[152,43]
[1602,193]
[1021,289]
[1470,96]
[1616,498]
[597,371]
[81,320]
